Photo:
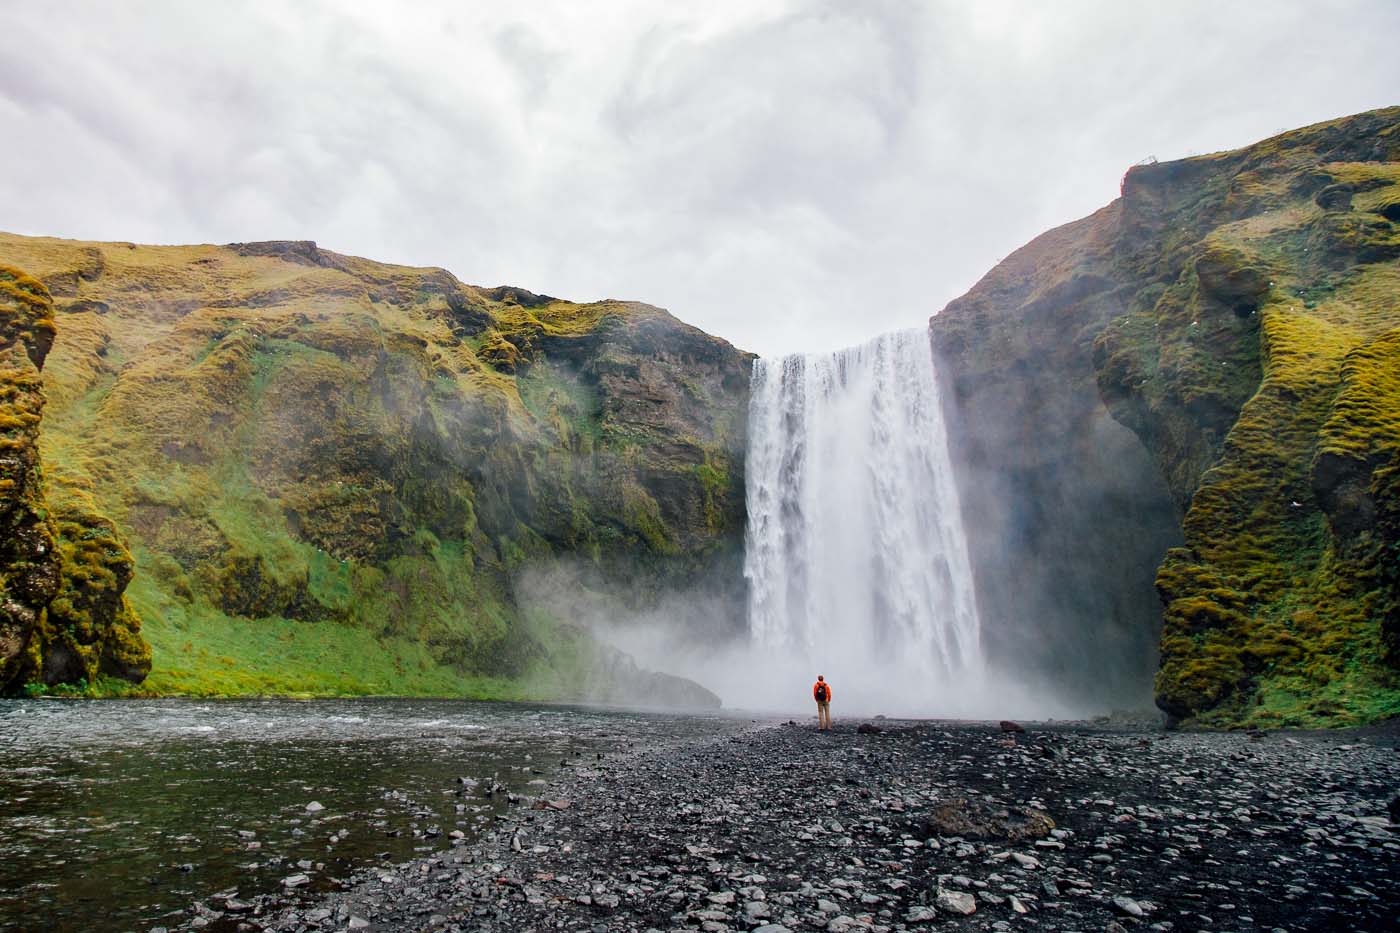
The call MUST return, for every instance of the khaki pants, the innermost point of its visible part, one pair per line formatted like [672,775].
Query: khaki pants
[824,715]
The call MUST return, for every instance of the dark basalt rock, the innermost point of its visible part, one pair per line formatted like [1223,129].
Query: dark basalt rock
[979,819]
[301,252]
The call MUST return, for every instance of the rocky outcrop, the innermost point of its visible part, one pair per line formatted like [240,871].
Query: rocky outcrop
[64,618]
[1240,314]
[28,558]
[378,453]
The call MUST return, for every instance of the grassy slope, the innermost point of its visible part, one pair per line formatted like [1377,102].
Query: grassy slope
[329,469]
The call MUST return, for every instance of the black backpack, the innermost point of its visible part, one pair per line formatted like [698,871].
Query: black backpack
[821,693]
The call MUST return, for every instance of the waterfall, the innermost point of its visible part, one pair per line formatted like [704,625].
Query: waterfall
[855,555]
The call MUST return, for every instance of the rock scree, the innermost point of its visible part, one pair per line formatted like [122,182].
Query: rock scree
[919,827]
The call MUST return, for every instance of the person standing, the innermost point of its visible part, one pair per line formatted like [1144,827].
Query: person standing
[821,692]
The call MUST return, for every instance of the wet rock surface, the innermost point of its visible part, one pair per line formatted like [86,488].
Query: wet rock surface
[785,828]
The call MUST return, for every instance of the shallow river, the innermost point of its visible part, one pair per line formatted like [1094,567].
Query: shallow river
[117,815]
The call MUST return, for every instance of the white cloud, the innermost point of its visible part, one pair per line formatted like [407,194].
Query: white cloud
[793,175]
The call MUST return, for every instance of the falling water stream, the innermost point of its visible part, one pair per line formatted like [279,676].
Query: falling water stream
[856,556]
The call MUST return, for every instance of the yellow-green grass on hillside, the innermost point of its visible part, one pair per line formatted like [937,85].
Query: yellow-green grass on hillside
[289,437]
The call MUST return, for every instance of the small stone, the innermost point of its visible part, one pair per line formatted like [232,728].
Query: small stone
[956,902]
[772,928]
[295,881]
[920,915]
[1127,905]
[756,910]
[1026,861]
[358,923]
[1009,726]
[314,806]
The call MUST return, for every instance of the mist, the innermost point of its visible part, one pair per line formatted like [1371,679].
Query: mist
[858,566]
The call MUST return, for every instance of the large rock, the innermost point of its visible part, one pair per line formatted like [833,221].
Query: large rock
[981,819]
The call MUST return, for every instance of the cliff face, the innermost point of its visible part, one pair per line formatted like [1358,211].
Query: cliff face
[64,618]
[1240,313]
[332,471]
[28,557]
[1067,516]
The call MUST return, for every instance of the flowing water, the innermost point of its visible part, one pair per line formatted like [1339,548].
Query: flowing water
[855,555]
[117,815]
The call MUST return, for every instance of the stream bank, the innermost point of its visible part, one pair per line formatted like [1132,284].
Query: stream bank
[891,826]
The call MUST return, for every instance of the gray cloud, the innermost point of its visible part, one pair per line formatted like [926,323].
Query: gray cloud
[795,175]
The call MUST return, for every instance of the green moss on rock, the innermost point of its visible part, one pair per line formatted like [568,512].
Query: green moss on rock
[1239,312]
[29,563]
[1272,410]
[64,619]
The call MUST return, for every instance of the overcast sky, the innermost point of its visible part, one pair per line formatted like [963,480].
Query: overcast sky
[788,175]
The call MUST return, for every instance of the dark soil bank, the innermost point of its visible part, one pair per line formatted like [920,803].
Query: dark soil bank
[926,826]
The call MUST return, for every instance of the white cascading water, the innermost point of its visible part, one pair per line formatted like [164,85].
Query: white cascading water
[856,556]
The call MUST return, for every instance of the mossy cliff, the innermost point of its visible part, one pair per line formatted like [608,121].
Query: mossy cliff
[1240,313]
[28,555]
[64,618]
[332,471]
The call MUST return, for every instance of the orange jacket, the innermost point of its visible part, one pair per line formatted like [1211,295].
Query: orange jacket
[822,683]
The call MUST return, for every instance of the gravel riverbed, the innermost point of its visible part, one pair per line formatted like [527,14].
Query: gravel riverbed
[913,826]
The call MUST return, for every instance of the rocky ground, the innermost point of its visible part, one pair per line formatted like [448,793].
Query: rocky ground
[915,826]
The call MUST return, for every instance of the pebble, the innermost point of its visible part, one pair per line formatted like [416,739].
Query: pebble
[1127,905]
